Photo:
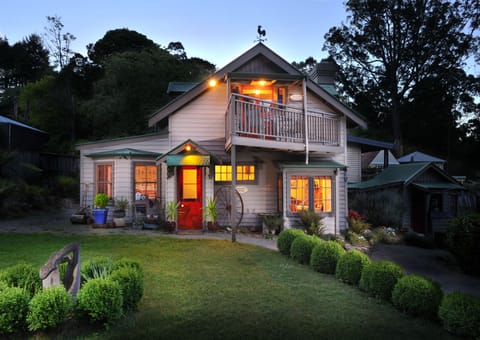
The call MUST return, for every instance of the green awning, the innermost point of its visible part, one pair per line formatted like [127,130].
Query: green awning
[181,160]
[438,186]
[127,152]
[327,164]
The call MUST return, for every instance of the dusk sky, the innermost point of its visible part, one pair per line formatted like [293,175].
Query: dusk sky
[214,30]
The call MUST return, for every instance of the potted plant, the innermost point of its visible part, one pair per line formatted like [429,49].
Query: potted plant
[171,212]
[100,212]
[210,214]
[272,223]
[121,205]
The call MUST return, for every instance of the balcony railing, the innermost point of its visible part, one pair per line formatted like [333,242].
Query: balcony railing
[258,119]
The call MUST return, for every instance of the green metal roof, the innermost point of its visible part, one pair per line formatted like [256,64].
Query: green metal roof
[330,88]
[317,164]
[394,174]
[438,186]
[406,174]
[126,152]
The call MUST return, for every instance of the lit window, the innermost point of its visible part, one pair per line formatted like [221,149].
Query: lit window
[146,180]
[245,173]
[311,193]
[104,179]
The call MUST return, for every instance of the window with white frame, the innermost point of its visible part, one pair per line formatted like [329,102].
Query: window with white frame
[310,193]
[146,182]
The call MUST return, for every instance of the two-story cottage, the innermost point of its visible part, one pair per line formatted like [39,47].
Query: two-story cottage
[257,125]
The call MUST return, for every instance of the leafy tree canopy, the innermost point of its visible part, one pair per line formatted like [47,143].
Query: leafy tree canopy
[116,41]
[388,48]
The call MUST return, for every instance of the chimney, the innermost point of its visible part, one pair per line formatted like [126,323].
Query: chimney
[325,72]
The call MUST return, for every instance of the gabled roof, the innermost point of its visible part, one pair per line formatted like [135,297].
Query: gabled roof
[281,65]
[125,153]
[418,156]
[197,149]
[375,158]
[180,86]
[403,174]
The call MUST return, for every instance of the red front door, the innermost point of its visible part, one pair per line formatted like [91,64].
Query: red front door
[190,197]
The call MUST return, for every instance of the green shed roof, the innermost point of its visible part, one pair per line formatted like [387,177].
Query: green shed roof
[126,152]
[406,174]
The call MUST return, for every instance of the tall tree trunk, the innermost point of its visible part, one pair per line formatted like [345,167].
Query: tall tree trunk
[397,127]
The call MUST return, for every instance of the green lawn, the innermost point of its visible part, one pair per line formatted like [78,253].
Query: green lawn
[206,289]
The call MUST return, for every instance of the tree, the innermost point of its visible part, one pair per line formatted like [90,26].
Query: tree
[388,47]
[306,66]
[117,41]
[58,42]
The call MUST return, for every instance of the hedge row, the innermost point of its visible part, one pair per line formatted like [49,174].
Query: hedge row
[411,294]
[113,288]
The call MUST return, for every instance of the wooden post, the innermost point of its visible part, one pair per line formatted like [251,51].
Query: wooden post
[304,85]
[233,225]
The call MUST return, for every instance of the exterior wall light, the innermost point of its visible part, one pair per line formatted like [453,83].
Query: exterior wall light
[212,82]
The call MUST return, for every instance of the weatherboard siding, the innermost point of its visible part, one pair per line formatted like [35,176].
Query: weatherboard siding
[201,119]
[354,163]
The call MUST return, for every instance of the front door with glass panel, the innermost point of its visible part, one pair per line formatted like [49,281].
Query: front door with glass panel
[190,197]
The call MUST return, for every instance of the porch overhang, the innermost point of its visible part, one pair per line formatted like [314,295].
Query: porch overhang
[437,186]
[325,164]
[183,160]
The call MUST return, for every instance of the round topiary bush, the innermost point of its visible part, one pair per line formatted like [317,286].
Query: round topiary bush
[13,309]
[24,276]
[460,314]
[350,266]
[379,277]
[325,256]
[49,308]
[302,247]
[130,279]
[101,300]
[286,238]
[417,296]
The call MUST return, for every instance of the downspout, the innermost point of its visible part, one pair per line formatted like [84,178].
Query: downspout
[233,156]
[304,85]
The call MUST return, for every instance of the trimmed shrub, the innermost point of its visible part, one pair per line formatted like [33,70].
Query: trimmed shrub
[460,314]
[24,276]
[379,278]
[49,308]
[130,279]
[350,266]
[463,239]
[13,309]
[302,248]
[417,296]
[325,256]
[101,300]
[286,238]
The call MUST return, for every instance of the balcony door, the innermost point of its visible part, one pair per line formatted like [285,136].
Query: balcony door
[190,198]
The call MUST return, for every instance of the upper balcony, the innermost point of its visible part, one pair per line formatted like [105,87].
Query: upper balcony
[253,122]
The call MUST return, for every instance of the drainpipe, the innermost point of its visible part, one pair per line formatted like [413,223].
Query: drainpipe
[233,156]
[304,85]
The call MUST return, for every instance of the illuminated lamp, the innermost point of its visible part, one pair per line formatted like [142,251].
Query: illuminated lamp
[188,147]
[212,82]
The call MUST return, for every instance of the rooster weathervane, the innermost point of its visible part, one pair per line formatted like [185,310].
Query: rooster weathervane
[261,34]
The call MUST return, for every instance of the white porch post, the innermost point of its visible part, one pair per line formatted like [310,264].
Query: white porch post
[304,85]
[233,156]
